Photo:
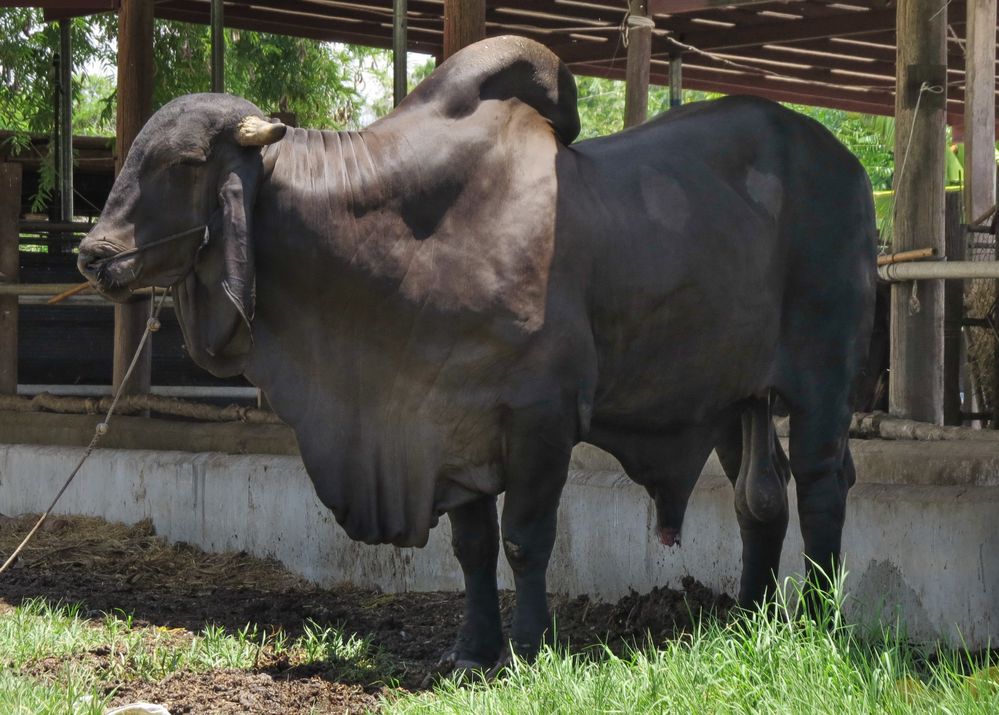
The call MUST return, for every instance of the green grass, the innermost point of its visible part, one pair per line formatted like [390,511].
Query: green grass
[52,660]
[766,662]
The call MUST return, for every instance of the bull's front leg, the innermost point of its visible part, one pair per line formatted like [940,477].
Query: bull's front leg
[475,539]
[539,444]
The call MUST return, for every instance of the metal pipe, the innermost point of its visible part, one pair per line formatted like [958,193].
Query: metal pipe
[66,119]
[218,46]
[89,300]
[935,270]
[54,226]
[399,46]
[50,289]
[224,392]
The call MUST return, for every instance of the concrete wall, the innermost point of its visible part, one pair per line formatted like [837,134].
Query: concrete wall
[920,537]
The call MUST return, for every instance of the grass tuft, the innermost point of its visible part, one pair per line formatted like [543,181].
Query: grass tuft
[52,660]
[772,660]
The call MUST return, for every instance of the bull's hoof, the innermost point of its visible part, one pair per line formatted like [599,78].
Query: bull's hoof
[457,667]
[501,666]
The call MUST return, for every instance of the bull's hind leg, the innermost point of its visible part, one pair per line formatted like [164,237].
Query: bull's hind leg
[823,473]
[755,463]
[475,539]
[539,444]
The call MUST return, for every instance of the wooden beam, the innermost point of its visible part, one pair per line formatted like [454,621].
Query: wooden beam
[710,81]
[915,390]
[979,125]
[955,238]
[980,108]
[636,74]
[65,148]
[464,23]
[678,7]
[135,99]
[846,24]
[675,82]
[10,212]
[62,9]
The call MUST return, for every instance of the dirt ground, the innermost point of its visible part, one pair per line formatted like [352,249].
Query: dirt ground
[106,567]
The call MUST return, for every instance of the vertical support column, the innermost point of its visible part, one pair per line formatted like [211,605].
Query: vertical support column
[135,100]
[464,23]
[916,387]
[66,118]
[636,73]
[10,212]
[953,311]
[399,45]
[218,46]
[675,81]
[980,123]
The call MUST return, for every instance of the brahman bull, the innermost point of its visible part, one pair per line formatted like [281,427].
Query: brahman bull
[443,304]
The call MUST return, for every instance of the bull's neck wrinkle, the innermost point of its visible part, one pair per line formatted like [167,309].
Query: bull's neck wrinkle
[340,168]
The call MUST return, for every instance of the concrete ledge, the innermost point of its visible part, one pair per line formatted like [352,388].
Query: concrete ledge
[922,549]
[146,433]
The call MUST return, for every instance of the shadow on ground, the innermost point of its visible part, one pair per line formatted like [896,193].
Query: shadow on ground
[111,568]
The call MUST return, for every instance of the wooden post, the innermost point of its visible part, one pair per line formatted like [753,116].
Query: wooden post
[399,45]
[675,81]
[135,99]
[979,124]
[954,236]
[218,46]
[464,23]
[916,387]
[10,212]
[980,109]
[636,73]
[66,119]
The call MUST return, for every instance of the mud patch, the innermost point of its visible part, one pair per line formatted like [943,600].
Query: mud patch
[110,568]
[235,692]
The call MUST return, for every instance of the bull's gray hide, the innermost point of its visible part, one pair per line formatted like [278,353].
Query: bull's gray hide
[443,304]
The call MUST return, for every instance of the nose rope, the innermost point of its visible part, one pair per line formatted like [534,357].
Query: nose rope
[139,249]
[152,325]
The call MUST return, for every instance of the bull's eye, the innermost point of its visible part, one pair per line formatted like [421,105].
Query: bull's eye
[191,158]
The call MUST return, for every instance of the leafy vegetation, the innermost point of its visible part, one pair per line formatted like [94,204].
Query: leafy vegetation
[320,82]
[323,84]
[870,138]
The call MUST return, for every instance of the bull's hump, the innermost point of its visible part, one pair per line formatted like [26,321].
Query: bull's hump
[501,68]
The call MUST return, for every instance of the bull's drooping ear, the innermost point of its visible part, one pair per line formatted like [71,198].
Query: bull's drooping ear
[254,131]
[215,303]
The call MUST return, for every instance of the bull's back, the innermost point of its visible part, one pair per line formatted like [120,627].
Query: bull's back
[698,224]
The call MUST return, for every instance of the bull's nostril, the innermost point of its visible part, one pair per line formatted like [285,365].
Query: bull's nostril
[86,263]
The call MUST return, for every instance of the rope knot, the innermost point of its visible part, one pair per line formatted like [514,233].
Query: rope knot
[634,22]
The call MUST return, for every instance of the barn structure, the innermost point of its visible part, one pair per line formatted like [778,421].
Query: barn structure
[920,508]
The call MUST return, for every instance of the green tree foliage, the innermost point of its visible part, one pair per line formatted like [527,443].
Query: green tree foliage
[319,82]
[325,85]
[27,74]
[601,111]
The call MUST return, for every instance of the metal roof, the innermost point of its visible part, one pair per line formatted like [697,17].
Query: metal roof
[818,52]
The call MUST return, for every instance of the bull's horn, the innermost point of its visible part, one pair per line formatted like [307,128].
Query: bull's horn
[254,131]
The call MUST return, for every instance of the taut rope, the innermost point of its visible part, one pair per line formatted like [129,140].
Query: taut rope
[152,325]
